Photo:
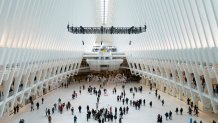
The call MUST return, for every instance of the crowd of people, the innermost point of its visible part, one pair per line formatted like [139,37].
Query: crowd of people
[112,113]
[104,114]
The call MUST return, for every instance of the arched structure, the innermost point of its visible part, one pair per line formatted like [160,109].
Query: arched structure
[178,52]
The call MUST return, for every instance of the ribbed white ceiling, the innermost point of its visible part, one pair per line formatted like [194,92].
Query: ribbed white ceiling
[172,24]
[41,24]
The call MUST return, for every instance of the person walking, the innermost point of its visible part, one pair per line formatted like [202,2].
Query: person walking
[115,110]
[21,121]
[75,119]
[46,112]
[196,112]
[162,102]
[150,104]
[130,102]
[102,120]
[181,110]
[127,109]
[188,101]
[37,105]
[96,106]
[166,115]
[32,108]
[161,119]
[87,108]
[99,120]
[15,110]
[49,112]
[159,97]
[55,106]
[79,109]
[87,117]
[42,100]
[17,107]
[190,110]
[170,115]
[118,97]
[120,120]
[49,119]
[156,92]
[72,110]
[177,110]
[115,117]
[52,110]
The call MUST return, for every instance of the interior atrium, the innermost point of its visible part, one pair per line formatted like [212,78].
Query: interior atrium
[167,47]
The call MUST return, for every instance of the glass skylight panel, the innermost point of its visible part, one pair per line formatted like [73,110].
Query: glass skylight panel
[104,11]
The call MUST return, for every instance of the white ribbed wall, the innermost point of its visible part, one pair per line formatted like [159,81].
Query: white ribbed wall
[25,65]
[157,67]
[35,43]
[181,37]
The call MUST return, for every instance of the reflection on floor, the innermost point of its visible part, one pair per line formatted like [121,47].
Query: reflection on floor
[144,115]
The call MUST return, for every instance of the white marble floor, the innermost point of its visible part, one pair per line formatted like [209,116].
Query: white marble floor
[144,115]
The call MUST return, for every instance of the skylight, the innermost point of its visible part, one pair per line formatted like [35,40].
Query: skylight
[104,11]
